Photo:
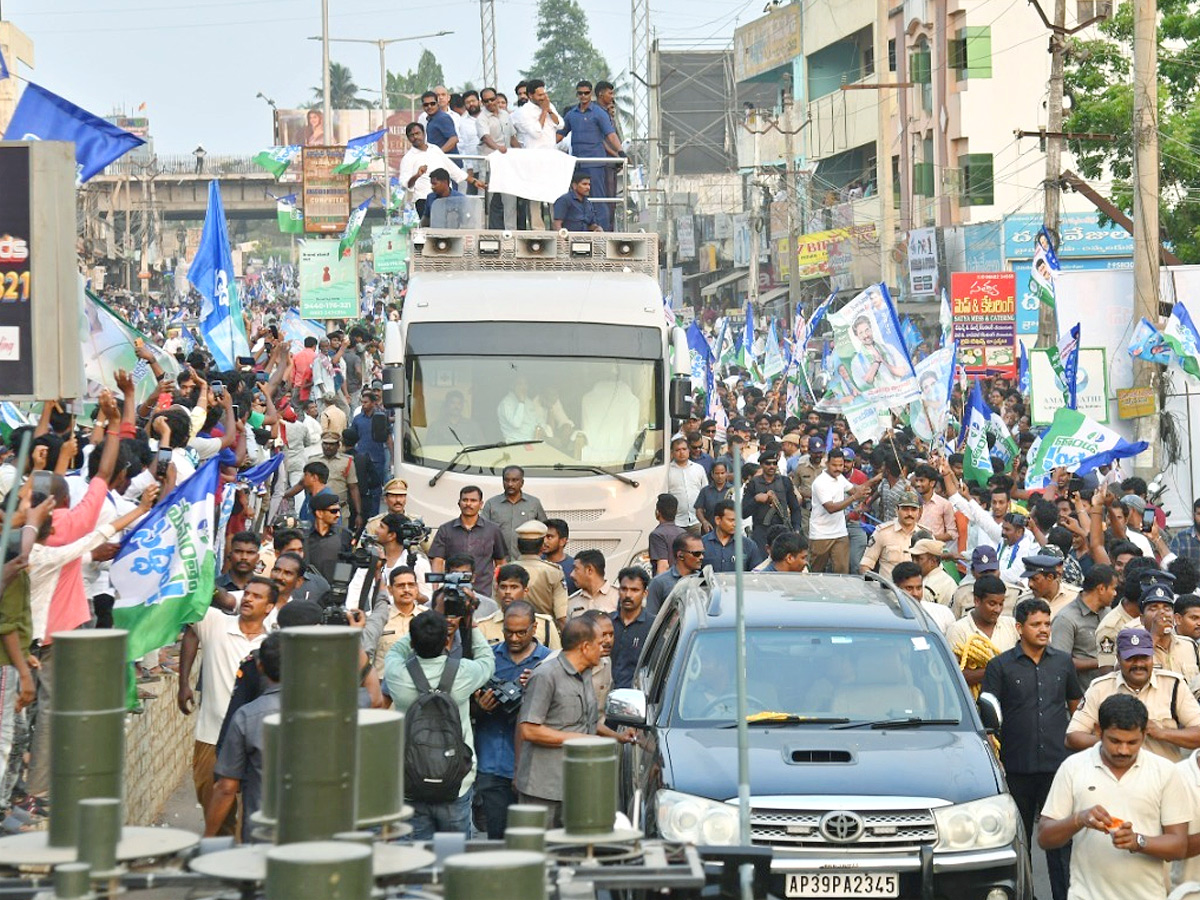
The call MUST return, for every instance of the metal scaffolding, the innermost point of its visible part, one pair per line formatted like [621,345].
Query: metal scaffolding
[487,28]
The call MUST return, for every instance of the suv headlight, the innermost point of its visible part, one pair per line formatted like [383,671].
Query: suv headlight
[978,825]
[695,820]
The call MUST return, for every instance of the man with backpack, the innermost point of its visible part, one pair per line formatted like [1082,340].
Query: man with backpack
[434,692]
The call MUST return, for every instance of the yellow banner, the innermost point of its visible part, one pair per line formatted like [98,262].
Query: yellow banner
[812,251]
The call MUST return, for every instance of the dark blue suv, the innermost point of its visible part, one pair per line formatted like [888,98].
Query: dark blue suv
[871,774]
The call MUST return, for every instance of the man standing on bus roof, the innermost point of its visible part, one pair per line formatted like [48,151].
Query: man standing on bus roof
[513,508]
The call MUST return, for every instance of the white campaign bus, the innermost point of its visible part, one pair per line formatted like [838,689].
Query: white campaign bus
[545,350]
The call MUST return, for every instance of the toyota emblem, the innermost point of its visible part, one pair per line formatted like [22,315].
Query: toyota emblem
[841,826]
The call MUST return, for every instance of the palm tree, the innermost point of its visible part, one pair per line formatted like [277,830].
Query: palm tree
[343,92]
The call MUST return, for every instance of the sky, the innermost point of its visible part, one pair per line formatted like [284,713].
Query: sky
[198,66]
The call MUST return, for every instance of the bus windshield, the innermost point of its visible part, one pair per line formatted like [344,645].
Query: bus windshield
[585,412]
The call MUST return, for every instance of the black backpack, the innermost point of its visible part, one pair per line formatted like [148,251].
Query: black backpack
[436,758]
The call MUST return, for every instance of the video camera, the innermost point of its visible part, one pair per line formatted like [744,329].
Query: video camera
[367,556]
[455,601]
[413,532]
[508,694]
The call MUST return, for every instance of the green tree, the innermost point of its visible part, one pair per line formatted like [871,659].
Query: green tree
[415,81]
[343,92]
[1098,78]
[565,54]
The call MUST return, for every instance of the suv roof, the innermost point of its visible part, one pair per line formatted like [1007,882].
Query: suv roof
[775,598]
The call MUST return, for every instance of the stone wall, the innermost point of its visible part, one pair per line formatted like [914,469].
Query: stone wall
[158,752]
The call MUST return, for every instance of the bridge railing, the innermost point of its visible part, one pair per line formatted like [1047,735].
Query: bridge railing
[186,164]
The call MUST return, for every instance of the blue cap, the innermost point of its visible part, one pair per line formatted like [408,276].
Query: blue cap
[984,559]
[1042,563]
[1134,642]
[1155,593]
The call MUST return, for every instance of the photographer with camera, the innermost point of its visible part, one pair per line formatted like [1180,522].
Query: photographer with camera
[400,541]
[439,765]
[497,706]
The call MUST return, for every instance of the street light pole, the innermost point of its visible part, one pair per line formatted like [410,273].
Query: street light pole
[327,100]
[382,44]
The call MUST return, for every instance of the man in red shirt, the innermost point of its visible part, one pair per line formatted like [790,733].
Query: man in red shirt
[302,369]
[69,603]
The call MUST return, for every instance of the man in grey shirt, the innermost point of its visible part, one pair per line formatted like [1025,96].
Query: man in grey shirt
[513,508]
[240,762]
[1073,630]
[559,705]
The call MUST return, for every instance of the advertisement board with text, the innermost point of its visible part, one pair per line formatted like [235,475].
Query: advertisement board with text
[984,310]
[326,194]
[1091,386]
[328,282]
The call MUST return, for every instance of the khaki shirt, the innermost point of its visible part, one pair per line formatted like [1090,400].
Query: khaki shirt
[940,587]
[581,601]
[1149,794]
[1066,593]
[1189,772]
[398,624]
[602,682]
[546,631]
[1003,637]
[1156,694]
[888,546]
[802,477]
[547,590]
[332,419]
[1181,659]
[341,475]
[1106,635]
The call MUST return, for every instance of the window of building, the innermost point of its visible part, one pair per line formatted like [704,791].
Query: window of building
[895,182]
[892,55]
[970,53]
[978,185]
[923,179]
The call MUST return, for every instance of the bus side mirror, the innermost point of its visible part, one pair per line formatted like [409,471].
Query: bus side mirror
[681,397]
[393,387]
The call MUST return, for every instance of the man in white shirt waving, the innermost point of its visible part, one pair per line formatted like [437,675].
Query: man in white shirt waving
[832,492]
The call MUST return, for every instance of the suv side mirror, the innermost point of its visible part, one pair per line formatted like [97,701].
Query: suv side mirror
[989,713]
[626,706]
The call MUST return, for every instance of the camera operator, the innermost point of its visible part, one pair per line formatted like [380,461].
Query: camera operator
[461,564]
[457,602]
[400,540]
[512,583]
[497,706]
[328,538]
[416,664]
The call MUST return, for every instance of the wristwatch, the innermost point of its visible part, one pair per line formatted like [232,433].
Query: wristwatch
[1141,842]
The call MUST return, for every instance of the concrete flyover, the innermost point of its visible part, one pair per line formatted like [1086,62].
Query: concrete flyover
[177,191]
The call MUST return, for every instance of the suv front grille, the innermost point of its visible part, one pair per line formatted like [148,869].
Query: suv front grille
[800,829]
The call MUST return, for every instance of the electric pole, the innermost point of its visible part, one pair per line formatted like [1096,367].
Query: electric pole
[487,27]
[789,181]
[1145,208]
[1047,317]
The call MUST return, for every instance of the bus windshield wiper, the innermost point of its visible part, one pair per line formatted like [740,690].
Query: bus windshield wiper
[559,467]
[910,722]
[476,448]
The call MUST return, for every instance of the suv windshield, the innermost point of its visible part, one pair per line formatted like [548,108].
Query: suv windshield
[858,676]
[585,412]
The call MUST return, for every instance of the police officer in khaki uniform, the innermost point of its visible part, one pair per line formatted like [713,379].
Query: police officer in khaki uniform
[1171,651]
[395,498]
[1044,574]
[928,554]
[1126,613]
[343,479]
[891,542]
[802,478]
[547,590]
[1174,712]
